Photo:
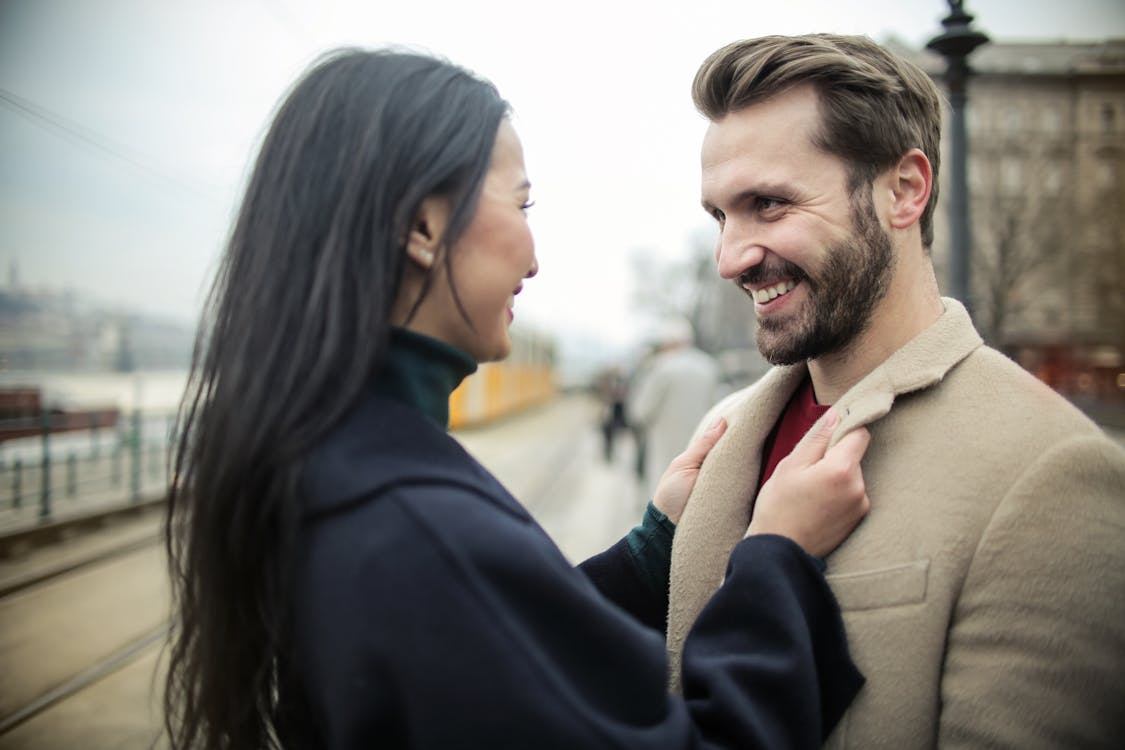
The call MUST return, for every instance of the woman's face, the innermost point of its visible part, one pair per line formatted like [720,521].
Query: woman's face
[489,261]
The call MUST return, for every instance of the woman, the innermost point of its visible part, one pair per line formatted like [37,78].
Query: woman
[345,574]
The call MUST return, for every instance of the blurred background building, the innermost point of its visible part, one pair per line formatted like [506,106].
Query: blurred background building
[49,330]
[1046,169]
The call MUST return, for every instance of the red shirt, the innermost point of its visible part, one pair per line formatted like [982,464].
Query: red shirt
[799,416]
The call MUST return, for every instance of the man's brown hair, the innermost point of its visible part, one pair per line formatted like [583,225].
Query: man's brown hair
[874,106]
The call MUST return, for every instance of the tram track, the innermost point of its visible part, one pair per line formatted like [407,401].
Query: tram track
[114,662]
[75,621]
[101,668]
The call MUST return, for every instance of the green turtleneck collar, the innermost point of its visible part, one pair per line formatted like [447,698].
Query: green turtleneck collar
[422,372]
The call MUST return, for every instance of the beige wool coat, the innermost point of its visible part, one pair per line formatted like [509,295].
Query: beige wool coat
[984,594]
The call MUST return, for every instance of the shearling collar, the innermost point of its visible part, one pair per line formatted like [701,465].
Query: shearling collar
[718,512]
[921,363]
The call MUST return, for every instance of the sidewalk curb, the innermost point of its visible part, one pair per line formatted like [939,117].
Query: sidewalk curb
[17,544]
[15,541]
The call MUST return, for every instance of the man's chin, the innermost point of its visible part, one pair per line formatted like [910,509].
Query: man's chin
[781,350]
[788,358]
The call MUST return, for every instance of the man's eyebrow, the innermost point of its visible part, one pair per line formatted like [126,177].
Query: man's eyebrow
[767,189]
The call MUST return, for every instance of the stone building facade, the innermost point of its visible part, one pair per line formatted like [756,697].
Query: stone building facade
[1046,170]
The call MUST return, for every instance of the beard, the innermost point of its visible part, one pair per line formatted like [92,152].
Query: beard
[841,297]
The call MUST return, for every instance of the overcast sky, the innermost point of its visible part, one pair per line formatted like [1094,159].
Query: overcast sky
[126,126]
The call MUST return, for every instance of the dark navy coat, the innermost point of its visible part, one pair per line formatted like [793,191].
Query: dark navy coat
[431,611]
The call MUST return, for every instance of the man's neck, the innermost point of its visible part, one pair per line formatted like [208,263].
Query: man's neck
[911,306]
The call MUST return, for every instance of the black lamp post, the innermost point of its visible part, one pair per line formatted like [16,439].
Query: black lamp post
[955,44]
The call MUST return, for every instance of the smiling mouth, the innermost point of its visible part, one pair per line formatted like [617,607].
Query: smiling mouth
[771,292]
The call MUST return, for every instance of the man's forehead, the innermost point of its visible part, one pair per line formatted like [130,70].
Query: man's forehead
[789,115]
[739,161]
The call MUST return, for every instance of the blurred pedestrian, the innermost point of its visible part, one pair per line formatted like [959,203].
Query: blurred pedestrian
[345,574]
[613,389]
[985,594]
[671,392]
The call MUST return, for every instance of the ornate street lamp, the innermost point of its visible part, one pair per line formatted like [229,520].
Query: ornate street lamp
[955,44]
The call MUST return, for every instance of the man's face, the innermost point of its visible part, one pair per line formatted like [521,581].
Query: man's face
[815,261]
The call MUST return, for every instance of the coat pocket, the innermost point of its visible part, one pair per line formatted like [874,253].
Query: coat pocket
[886,587]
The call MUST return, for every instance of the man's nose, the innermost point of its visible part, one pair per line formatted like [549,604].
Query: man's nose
[737,251]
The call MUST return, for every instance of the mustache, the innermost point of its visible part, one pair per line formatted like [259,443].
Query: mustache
[772,270]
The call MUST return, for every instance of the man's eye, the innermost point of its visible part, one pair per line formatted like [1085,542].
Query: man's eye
[765,203]
[527,205]
[718,215]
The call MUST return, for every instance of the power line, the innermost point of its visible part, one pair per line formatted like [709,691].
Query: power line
[77,133]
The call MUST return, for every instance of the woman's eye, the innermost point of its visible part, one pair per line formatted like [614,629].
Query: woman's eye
[527,205]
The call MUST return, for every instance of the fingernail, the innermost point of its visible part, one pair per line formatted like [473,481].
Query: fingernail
[831,417]
[715,425]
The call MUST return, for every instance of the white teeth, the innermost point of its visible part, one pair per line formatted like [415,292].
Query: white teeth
[772,292]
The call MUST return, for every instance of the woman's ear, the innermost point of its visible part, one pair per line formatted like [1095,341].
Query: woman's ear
[426,231]
[912,182]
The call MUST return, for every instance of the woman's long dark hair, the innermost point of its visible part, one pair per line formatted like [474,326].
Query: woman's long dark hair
[297,323]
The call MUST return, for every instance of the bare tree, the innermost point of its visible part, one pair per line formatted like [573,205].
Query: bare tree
[1020,243]
[669,286]
[690,287]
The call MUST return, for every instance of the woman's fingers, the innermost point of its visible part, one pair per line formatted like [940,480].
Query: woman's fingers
[695,453]
[852,447]
[816,501]
[813,447]
[678,480]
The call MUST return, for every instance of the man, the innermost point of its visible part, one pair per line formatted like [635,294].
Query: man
[984,595]
[673,391]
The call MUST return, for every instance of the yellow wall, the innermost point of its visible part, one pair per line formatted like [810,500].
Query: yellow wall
[498,389]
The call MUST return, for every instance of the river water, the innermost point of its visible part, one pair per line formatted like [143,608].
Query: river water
[155,394]
[148,390]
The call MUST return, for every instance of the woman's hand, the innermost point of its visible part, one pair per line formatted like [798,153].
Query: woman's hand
[678,479]
[816,496]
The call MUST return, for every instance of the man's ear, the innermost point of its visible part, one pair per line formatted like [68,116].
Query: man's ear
[426,231]
[911,183]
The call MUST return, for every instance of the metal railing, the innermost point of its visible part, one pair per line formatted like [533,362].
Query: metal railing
[49,473]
